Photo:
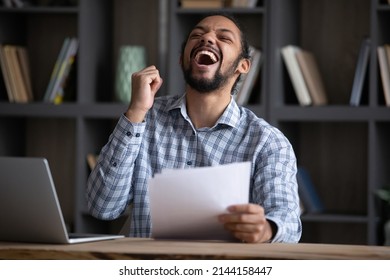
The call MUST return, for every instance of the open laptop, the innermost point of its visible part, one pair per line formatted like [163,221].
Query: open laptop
[29,207]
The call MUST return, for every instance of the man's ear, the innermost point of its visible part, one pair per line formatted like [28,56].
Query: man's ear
[244,66]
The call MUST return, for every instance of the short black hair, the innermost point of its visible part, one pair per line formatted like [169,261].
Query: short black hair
[244,42]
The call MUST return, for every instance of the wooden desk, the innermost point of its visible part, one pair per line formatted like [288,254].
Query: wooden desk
[139,248]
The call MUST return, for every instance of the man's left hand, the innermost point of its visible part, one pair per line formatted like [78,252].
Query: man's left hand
[247,223]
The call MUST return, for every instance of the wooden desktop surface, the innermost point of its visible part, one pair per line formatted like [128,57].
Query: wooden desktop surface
[142,248]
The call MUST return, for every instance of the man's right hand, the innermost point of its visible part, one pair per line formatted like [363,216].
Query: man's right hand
[144,86]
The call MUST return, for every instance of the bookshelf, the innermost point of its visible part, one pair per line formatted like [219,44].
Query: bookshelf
[343,147]
[65,133]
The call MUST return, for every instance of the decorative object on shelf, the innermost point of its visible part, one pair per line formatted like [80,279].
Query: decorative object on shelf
[131,59]
[384,194]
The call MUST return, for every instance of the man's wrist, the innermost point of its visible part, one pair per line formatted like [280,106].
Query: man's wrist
[135,116]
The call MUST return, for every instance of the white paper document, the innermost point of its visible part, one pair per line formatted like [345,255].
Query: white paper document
[186,203]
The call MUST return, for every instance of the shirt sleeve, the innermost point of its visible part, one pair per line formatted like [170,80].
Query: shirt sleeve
[276,188]
[109,184]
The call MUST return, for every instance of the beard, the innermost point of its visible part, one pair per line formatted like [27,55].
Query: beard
[203,85]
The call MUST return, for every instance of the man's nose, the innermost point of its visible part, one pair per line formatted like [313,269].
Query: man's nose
[208,38]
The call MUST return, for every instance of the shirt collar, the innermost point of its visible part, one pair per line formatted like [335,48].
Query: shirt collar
[230,117]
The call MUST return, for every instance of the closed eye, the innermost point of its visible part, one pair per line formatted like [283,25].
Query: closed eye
[195,35]
[225,39]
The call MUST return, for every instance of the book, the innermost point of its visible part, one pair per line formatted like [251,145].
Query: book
[57,64]
[360,72]
[5,72]
[312,76]
[242,3]
[202,4]
[64,72]
[92,160]
[62,66]
[311,201]
[248,81]
[18,86]
[24,63]
[296,75]
[384,67]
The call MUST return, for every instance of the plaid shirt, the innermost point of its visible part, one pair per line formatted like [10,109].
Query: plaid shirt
[167,139]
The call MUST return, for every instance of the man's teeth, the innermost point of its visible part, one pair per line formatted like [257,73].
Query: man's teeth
[209,54]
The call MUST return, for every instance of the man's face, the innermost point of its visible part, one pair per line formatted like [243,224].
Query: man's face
[212,54]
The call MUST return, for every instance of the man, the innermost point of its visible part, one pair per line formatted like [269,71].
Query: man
[203,127]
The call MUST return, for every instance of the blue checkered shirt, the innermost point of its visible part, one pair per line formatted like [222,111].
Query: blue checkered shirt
[168,139]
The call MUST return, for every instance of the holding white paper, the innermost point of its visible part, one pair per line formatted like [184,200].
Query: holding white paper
[186,203]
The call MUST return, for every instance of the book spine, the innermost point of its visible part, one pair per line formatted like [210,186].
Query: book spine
[360,72]
[56,68]
[385,73]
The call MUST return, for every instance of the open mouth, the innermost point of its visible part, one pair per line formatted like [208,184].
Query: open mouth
[205,57]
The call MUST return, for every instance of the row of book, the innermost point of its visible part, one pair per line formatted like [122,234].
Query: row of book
[307,81]
[15,68]
[305,76]
[207,4]
[248,81]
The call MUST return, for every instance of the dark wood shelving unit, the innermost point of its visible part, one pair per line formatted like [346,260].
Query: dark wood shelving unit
[344,148]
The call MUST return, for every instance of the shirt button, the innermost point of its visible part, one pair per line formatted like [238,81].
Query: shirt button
[128,133]
[114,164]
[189,162]
[137,135]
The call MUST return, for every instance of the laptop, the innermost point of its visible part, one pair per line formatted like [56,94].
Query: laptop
[29,207]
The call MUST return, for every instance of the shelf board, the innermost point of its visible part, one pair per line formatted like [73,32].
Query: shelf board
[65,110]
[259,110]
[334,218]
[41,10]
[243,11]
[336,113]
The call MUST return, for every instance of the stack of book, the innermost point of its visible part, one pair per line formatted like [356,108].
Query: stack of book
[207,4]
[384,66]
[15,68]
[202,4]
[305,76]
[241,3]
[66,57]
